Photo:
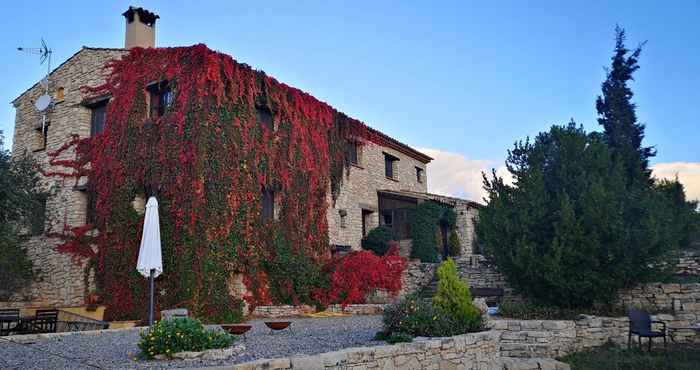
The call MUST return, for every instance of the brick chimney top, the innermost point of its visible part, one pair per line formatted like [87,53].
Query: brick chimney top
[140,28]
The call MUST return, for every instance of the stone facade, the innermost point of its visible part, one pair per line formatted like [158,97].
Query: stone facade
[467,216]
[59,281]
[359,192]
[477,351]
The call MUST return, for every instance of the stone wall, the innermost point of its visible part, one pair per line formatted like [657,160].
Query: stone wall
[417,276]
[477,351]
[555,338]
[359,191]
[689,263]
[663,297]
[59,282]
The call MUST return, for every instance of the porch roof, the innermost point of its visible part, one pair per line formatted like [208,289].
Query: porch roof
[447,200]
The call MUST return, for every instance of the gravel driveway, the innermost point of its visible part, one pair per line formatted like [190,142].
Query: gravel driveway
[116,350]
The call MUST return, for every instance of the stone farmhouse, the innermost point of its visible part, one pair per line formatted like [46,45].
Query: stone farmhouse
[381,185]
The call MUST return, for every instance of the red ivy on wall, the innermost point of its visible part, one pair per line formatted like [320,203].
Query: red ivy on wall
[208,159]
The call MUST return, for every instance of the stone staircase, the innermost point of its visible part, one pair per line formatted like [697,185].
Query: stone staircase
[476,270]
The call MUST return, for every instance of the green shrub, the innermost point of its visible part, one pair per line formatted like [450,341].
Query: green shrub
[377,240]
[399,338]
[416,317]
[533,311]
[294,276]
[424,221]
[453,244]
[453,298]
[167,337]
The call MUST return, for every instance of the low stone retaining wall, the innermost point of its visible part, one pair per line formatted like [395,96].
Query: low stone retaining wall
[358,309]
[555,338]
[664,297]
[477,351]
[293,311]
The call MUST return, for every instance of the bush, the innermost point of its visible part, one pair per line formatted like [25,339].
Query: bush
[416,317]
[534,311]
[377,240]
[294,277]
[167,337]
[453,298]
[360,273]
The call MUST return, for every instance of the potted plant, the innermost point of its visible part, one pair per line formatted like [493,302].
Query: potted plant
[92,300]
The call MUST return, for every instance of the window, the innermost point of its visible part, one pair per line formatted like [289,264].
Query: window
[60,94]
[268,205]
[265,118]
[343,218]
[419,175]
[91,214]
[388,218]
[390,166]
[353,154]
[161,98]
[41,136]
[99,114]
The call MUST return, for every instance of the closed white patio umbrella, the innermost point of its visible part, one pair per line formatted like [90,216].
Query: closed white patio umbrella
[150,263]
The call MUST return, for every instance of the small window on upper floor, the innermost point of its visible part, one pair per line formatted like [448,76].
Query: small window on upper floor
[161,98]
[99,115]
[60,94]
[268,205]
[419,175]
[265,120]
[390,164]
[354,153]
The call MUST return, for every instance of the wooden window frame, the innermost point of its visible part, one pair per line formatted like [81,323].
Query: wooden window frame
[160,98]
[391,166]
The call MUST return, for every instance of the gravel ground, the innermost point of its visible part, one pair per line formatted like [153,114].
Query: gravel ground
[116,350]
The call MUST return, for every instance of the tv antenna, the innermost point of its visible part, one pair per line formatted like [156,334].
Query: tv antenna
[43,103]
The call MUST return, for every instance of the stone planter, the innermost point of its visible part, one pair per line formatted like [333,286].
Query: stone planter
[123,324]
[211,354]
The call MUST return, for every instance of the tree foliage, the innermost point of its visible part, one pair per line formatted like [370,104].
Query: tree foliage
[569,232]
[453,298]
[377,240]
[21,208]
[583,217]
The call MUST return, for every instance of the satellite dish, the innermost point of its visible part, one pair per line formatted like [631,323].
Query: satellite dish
[43,102]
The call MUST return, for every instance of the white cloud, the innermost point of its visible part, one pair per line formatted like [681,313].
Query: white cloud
[688,174]
[455,175]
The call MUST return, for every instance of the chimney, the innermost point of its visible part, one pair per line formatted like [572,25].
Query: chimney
[140,28]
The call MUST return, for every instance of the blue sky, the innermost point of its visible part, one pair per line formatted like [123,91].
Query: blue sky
[463,80]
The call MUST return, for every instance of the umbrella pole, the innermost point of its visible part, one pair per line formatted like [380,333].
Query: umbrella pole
[151,282]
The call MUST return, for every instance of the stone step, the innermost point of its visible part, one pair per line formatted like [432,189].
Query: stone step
[514,363]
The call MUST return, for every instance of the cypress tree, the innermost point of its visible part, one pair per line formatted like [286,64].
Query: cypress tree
[617,113]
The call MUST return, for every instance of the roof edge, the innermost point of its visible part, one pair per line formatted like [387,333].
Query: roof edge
[83,48]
